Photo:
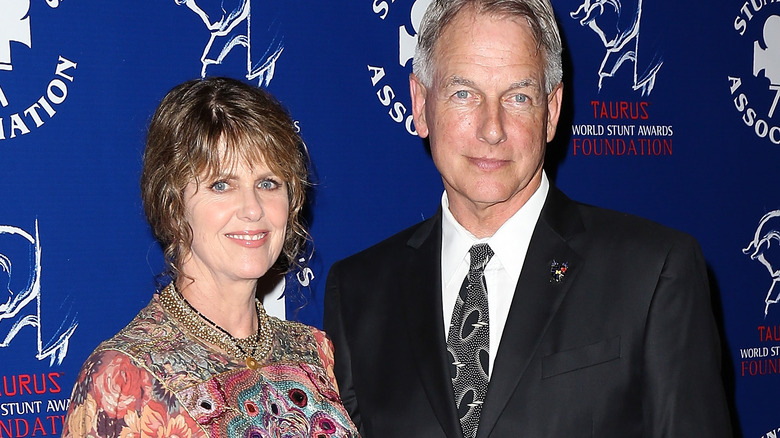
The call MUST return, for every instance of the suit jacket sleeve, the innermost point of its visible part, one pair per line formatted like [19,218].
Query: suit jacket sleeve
[334,326]
[683,390]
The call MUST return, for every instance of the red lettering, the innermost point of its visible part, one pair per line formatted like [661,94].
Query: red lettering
[620,110]
[624,110]
[769,333]
[24,383]
[761,367]
[53,425]
[5,386]
[38,426]
[35,384]
[6,429]
[604,113]
[26,425]
[56,387]
[632,147]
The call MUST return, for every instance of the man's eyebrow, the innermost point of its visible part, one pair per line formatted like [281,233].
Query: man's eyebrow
[457,80]
[525,83]
[461,81]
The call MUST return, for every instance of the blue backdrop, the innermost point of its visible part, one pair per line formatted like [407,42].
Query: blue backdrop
[669,113]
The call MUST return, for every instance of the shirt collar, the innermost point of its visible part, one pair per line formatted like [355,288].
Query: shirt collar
[509,243]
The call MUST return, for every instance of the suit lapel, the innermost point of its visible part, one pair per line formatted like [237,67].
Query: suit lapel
[535,302]
[425,326]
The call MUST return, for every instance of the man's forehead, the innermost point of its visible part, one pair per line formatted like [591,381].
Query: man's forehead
[470,18]
[467,22]
[457,80]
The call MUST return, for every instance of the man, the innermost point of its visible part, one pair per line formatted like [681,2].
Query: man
[596,323]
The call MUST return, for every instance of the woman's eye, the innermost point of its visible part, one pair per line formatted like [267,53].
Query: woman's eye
[268,184]
[220,186]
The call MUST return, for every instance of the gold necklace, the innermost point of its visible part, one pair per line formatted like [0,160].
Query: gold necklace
[248,349]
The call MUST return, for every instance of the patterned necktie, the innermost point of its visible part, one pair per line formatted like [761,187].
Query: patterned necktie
[468,342]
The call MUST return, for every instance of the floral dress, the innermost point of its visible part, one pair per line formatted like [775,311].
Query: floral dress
[155,379]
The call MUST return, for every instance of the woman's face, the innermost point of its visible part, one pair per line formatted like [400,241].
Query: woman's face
[238,222]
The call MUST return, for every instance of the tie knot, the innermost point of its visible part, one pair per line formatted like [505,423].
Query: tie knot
[480,256]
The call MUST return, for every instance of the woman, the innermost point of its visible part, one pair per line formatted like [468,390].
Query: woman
[223,184]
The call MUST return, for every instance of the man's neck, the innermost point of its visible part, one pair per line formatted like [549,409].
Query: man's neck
[484,219]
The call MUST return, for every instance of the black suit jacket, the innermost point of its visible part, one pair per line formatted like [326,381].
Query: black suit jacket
[623,346]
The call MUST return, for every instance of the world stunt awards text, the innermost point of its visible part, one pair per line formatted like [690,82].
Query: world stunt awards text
[32,405]
[621,128]
[764,359]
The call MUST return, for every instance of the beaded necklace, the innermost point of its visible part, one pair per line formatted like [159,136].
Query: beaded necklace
[249,349]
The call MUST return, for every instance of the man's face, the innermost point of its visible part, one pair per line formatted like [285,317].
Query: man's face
[486,114]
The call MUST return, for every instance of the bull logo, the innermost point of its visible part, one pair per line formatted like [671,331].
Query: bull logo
[617,23]
[766,59]
[406,41]
[21,308]
[233,27]
[765,249]
[14,27]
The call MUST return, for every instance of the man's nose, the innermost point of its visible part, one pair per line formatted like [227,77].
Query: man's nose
[491,128]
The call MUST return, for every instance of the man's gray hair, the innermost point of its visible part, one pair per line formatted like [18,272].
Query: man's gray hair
[538,13]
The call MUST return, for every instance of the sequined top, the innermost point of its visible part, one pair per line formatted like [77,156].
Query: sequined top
[156,379]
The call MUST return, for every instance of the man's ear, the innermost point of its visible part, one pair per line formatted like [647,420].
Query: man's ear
[554,101]
[418,93]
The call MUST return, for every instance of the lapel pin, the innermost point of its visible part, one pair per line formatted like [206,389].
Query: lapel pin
[557,271]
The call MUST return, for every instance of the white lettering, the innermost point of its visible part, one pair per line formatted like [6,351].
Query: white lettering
[750,353]
[386,95]
[735,84]
[379,73]
[20,408]
[17,124]
[587,130]
[410,128]
[62,65]
[660,131]
[56,93]
[49,110]
[620,130]
[397,112]
[31,112]
[382,8]
[53,97]
[3,100]
[774,139]
[58,405]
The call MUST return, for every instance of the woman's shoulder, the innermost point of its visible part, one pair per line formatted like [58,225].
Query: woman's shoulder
[292,327]
[115,396]
[155,342]
[296,342]
[151,328]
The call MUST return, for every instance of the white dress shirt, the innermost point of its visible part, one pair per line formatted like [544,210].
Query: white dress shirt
[509,244]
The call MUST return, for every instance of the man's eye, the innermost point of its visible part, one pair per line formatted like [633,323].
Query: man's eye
[520,98]
[462,94]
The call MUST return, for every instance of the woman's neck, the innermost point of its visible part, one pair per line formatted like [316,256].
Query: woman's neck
[230,305]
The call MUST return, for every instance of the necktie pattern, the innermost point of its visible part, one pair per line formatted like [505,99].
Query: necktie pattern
[468,342]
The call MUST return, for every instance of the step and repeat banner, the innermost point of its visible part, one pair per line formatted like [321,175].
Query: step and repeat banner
[672,112]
